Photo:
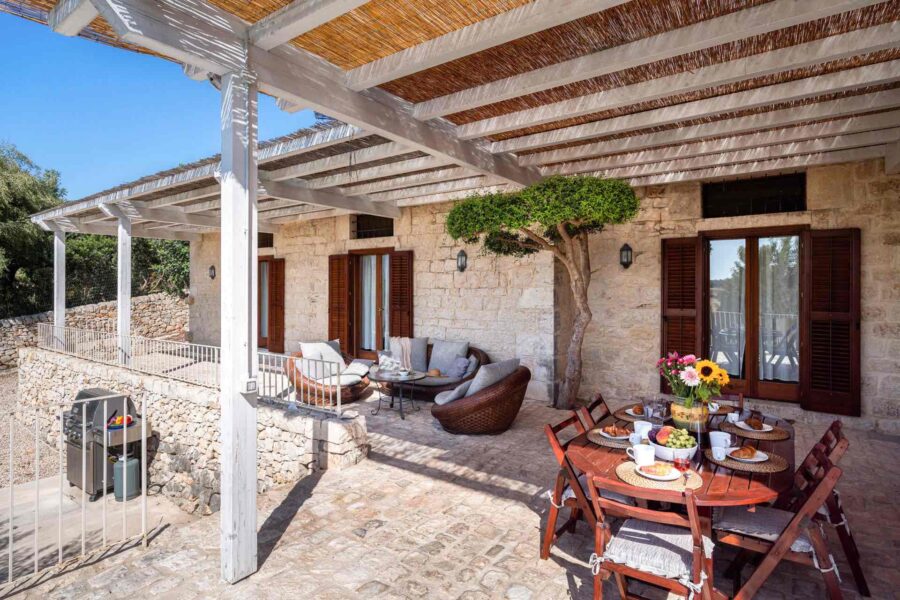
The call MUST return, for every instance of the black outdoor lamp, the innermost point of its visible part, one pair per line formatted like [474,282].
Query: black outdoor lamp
[625,256]
[212,271]
[461,261]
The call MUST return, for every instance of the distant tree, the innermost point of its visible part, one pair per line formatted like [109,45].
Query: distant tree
[555,215]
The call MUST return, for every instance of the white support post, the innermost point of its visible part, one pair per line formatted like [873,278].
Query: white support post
[59,281]
[123,290]
[238,326]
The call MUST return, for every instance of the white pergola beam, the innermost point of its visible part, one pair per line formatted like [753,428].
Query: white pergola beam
[841,142]
[181,197]
[469,183]
[297,18]
[767,167]
[505,27]
[365,174]
[70,17]
[700,36]
[781,92]
[821,133]
[301,193]
[451,196]
[181,217]
[347,159]
[892,159]
[835,47]
[831,109]
[448,174]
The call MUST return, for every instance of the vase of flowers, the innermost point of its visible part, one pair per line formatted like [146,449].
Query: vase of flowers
[693,382]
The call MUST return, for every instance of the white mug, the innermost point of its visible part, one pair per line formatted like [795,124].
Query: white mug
[733,417]
[719,439]
[713,407]
[719,452]
[634,438]
[642,454]
[643,428]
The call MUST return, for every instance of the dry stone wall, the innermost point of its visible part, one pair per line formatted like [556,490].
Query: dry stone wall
[185,419]
[154,315]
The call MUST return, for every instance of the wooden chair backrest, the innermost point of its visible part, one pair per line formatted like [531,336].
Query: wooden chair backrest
[732,399]
[834,441]
[690,520]
[588,416]
[556,444]
[810,478]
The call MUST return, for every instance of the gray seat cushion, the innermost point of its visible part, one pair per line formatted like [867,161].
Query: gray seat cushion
[460,365]
[568,492]
[764,522]
[663,550]
[472,366]
[418,352]
[443,353]
[437,381]
[454,394]
[490,374]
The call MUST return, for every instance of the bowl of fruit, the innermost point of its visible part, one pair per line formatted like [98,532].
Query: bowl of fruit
[670,443]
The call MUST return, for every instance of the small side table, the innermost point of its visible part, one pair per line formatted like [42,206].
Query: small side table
[398,382]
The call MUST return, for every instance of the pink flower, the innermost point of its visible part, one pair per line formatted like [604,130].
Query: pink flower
[690,377]
[660,362]
[689,359]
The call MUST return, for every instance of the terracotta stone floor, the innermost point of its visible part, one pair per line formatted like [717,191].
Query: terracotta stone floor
[431,515]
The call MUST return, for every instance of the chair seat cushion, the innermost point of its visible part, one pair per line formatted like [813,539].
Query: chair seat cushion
[437,381]
[358,367]
[444,353]
[763,522]
[493,373]
[568,492]
[663,550]
[451,395]
[343,380]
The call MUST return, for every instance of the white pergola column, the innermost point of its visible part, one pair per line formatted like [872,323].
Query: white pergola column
[59,283]
[238,327]
[123,297]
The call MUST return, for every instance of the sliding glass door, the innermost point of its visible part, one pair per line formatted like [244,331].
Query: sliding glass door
[752,303]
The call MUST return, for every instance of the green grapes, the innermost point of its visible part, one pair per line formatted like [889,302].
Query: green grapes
[680,438]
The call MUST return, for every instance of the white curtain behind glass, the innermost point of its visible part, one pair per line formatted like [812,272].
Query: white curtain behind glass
[367,302]
[727,289]
[779,309]
[386,296]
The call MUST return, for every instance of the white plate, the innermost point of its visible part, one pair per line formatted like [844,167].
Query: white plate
[672,476]
[757,458]
[611,437]
[766,427]
[631,414]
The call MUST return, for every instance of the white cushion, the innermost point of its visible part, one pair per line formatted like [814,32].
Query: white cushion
[568,492]
[443,353]
[663,550]
[454,394]
[342,380]
[320,351]
[764,522]
[490,374]
[358,367]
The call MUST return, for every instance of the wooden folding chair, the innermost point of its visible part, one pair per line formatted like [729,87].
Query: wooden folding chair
[662,548]
[780,534]
[567,490]
[594,412]
[834,445]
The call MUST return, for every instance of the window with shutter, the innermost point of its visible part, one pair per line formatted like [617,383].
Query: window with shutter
[401,293]
[339,282]
[830,380]
[680,323]
[276,306]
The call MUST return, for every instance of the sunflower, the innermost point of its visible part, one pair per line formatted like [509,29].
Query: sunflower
[707,370]
[722,377]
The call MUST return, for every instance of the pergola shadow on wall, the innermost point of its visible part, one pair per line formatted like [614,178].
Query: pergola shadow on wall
[434,101]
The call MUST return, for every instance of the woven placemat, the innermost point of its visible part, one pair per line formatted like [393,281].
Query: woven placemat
[775,464]
[724,409]
[627,473]
[776,435]
[595,436]
[624,416]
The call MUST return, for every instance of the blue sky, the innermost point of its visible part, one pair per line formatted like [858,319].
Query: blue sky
[102,116]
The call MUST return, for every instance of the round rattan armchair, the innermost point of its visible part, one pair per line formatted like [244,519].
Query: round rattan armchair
[490,411]
[320,393]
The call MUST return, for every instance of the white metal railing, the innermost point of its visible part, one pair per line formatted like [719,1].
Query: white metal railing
[298,381]
[75,528]
[295,382]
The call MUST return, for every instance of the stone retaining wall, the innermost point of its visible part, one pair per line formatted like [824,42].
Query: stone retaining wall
[185,417]
[154,315]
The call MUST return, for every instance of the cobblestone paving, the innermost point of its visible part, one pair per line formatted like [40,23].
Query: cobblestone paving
[431,515]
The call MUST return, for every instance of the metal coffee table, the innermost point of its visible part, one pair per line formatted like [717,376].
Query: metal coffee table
[398,382]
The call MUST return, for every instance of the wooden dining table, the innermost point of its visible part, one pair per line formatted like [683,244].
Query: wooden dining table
[721,486]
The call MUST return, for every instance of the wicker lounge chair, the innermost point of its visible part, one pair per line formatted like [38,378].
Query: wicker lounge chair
[322,393]
[430,387]
[490,411]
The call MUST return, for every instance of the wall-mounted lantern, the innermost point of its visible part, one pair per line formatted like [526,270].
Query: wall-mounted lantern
[626,256]
[461,261]
[212,271]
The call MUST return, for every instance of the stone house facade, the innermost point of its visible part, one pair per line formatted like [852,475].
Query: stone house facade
[521,308]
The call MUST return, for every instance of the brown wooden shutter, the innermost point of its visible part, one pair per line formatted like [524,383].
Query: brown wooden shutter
[680,296]
[276,306]
[829,355]
[339,300]
[401,293]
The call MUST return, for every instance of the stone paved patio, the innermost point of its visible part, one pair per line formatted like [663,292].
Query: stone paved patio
[431,515]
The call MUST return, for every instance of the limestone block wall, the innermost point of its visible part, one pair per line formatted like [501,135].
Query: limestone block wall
[185,419]
[504,306]
[624,339]
[154,315]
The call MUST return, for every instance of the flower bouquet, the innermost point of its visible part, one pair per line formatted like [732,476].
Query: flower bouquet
[692,381]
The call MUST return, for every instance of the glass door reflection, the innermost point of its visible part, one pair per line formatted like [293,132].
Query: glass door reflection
[727,305]
[779,309]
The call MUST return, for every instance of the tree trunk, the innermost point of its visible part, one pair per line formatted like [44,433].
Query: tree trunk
[579,269]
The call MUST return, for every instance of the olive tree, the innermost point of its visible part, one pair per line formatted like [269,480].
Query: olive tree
[555,215]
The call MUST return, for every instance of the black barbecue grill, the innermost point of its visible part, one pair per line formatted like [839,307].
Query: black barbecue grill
[83,428]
